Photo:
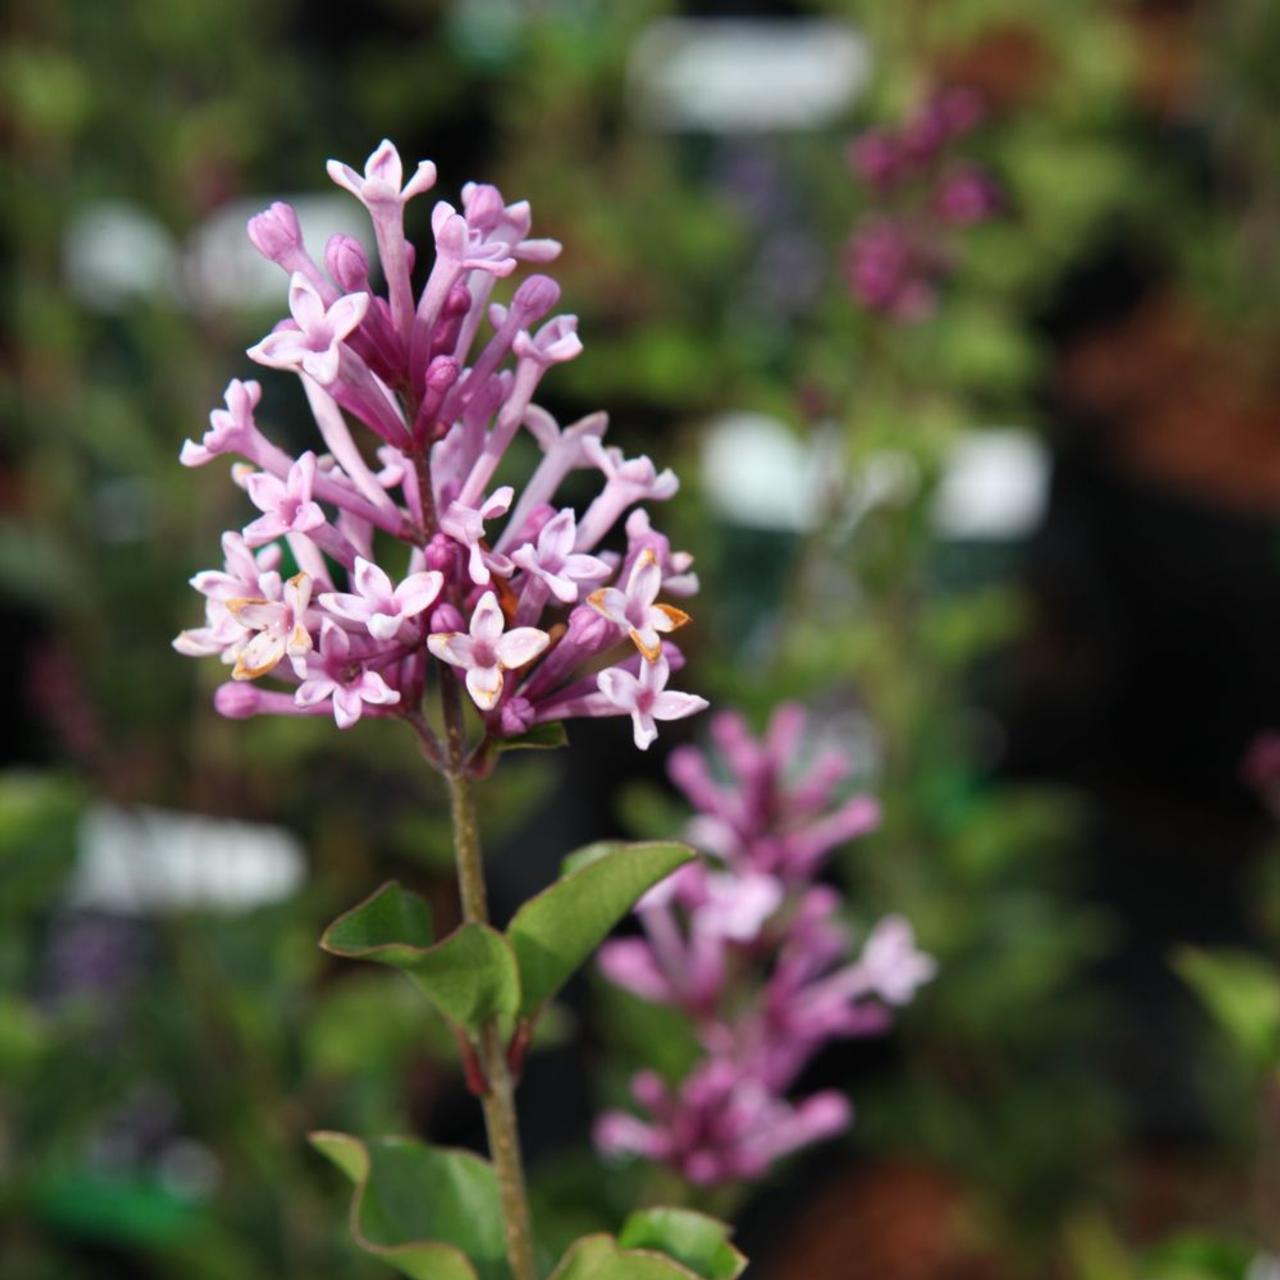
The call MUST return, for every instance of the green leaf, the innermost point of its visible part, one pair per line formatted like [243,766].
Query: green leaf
[431,1212]
[692,1239]
[553,933]
[1243,992]
[470,976]
[602,1258]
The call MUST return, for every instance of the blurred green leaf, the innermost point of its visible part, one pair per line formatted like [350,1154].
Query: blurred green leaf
[692,1239]
[602,1258]
[39,814]
[1242,991]
[554,932]
[430,1212]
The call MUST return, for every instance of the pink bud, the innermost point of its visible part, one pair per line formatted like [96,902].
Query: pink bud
[345,258]
[484,206]
[589,630]
[275,232]
[441,553]
[516,717]
[236,701]
[441,374]
[445,618]
[458,303]
[534,298]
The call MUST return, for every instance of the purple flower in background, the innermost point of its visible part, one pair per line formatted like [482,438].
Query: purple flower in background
[966,195]
[410,567]
[905,246]
[755,955]
[719,1125]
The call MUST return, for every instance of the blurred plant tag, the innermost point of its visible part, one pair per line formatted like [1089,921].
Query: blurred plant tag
[738,75]
[142,861]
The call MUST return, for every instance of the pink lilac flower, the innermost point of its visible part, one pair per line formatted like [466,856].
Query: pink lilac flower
[906,244]
[488,652]
[634,608]
[646,698]
[381,608]
[313,344]
[280,628]
[334,674]
[719,1126]
[413,569]
[286,505]
[756,956]
[552,561]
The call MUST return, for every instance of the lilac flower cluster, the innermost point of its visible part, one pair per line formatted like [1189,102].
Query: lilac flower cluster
[751,949]
[415,560]
[899,254]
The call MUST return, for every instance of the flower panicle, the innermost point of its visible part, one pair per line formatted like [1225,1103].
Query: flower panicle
[923,195]
[751,949]
[410,563]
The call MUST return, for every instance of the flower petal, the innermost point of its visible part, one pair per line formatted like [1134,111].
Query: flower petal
[487,621]
[371,581]
[645,729]
[610,603]
[453,647]
[311,692]
[484,684]
[619,686]
[670,705]
[520,646]
[259,656]
[347,706]
[418,592]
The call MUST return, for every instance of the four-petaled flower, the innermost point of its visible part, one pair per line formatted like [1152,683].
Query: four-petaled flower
[383,177]
[466,525]
[286,505]
[229,429]
[314,347]
[554,561]
[381,608]
[634,609]
[488,651]
[646,698]
[334,672]
[280,625]
[891,965]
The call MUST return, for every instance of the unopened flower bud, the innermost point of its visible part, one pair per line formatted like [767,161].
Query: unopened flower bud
[441,553]
[275,232]
[589,630]
[345,258]
[446,618]
[516,717]
[534,298]
[236,700]
[483,205]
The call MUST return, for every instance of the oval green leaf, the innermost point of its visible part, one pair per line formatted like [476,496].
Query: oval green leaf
[470,976]
[431,1212]
[692,1239]
[554,932]
[602,1258]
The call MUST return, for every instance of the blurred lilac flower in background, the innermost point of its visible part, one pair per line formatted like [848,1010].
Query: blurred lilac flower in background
[904,247]
[752,950]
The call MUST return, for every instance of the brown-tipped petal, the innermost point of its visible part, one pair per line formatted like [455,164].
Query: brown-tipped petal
[238,604]
[650,651]
[676,618]
[256,659]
